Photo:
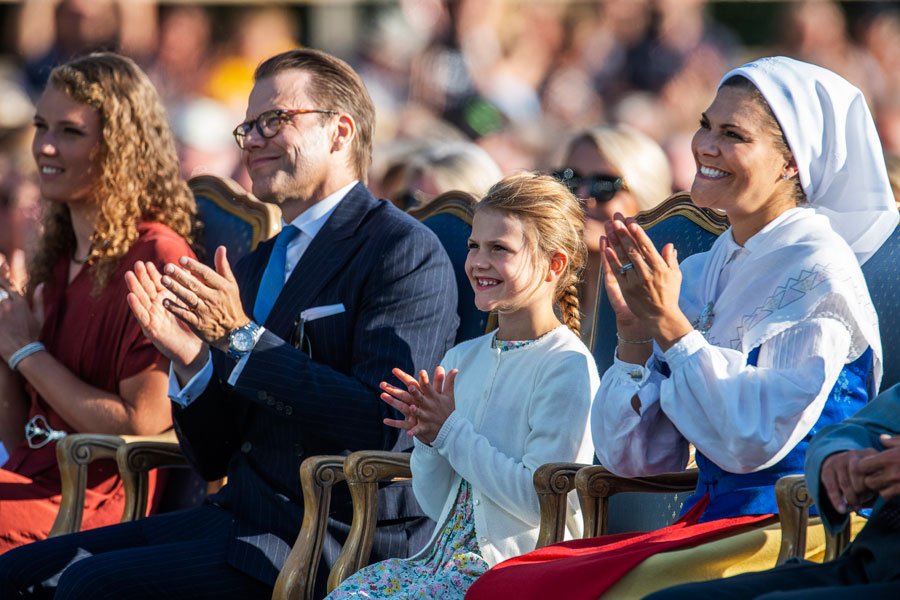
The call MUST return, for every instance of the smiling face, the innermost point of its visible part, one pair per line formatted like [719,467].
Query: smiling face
[501,266]
[293,166]
[740,169]
[66,147]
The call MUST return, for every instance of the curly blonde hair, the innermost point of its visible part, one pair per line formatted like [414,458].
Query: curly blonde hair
[554,220]
[139,178]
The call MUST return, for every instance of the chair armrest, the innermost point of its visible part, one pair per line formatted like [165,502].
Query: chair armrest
[553,482]
[297,578]
[135,459]
[363,470]
[595,486]
[73,455]
[794,501]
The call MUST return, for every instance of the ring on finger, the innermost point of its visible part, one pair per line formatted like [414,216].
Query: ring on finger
[625,267]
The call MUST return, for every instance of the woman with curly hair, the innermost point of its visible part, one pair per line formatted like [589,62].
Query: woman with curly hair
[76,359]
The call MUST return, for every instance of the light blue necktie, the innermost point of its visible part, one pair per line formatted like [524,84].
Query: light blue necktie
[273,277]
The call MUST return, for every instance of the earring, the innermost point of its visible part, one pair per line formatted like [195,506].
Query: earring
[785,176]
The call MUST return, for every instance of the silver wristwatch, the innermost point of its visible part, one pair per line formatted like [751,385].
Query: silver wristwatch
[242,340]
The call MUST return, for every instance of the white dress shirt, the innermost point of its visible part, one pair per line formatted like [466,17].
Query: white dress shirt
[309,222]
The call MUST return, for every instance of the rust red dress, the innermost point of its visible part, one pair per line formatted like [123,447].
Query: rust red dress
[100,341]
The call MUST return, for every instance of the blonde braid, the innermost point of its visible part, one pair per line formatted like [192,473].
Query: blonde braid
[569,306]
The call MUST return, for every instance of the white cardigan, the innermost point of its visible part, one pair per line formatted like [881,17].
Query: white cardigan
[515,410]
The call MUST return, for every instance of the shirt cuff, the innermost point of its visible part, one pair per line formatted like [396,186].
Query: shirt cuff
[423,448]
[185,396]
[682,350]
[239,367]
[446,428]
[630,372]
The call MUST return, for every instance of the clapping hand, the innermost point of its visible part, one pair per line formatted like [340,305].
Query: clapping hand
[207,300]
[20,323]
[171,336]
[425,405]
[642,284]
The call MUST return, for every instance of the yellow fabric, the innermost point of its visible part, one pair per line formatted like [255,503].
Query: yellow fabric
[754,550]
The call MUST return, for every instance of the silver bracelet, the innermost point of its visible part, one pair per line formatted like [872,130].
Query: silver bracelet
[23,353]
[621,339]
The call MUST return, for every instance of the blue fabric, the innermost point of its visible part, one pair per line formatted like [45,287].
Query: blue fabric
[273,277]
[222,228]
[882,273]
[738,494]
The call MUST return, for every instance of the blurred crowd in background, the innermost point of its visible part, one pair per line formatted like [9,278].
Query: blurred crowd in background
[465,90]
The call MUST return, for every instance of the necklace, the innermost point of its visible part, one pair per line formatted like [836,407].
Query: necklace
[81,261]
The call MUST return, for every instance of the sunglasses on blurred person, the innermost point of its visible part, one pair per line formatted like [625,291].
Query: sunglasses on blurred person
[600,186]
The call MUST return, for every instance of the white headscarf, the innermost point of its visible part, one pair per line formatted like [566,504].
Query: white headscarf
[831,134]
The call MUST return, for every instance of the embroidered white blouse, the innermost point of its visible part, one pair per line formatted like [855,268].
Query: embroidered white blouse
[744,418]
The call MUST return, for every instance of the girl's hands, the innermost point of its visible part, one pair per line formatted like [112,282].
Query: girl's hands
[425,405]
[645,295]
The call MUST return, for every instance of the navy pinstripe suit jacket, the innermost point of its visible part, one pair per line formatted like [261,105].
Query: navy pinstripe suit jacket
[397,285]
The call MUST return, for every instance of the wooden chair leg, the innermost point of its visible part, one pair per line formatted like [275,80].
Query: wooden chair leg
[297,579]
[73,455]
[363,470]
[553,482]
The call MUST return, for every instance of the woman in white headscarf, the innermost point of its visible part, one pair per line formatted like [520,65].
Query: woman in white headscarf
[744,351]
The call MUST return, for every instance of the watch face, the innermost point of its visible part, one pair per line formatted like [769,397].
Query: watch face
[242,340]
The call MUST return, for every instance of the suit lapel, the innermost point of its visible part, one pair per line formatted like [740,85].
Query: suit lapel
[332,247]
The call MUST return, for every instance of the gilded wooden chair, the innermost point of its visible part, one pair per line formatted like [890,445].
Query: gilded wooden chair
[229,216]
[691,229]
[882,273]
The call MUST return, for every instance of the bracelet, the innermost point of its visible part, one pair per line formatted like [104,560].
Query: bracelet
[621,339]
[23,353]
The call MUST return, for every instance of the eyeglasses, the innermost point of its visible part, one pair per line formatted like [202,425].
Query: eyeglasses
[268,124]
[601,186]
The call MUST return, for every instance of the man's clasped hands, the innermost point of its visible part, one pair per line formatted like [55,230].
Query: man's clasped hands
[853,477]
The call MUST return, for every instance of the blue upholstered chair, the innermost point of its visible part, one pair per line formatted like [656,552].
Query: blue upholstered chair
[227,215]
[230,216]
[613,504]
[449,216]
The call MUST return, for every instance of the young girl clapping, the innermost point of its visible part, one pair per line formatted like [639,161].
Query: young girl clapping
[501,405]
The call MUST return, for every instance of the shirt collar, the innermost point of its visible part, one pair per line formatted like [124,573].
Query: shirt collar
[759,238]
[311,220]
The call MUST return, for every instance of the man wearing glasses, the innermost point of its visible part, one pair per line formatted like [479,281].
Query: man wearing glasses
[274,361]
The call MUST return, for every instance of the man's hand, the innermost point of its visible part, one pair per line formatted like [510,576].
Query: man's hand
[170,335]
[843,480]
[208,300]
[881,471]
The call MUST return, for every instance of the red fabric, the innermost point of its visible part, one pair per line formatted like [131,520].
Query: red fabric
[586,569]
[100,341]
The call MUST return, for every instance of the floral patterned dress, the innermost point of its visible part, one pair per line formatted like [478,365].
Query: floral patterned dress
[444,570]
